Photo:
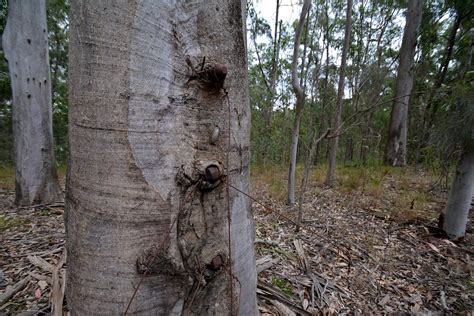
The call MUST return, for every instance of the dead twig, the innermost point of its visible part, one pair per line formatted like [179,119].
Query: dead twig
[57,288]
[41,263]
[17,287]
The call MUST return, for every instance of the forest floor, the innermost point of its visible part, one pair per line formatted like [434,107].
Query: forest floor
[368,245]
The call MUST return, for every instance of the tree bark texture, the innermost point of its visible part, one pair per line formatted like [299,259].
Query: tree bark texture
[334,143]
[456,213]
[156,135]
[299,93]
[25,44]
[395,151]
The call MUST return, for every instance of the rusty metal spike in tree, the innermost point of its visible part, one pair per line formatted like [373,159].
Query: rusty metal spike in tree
[147,196]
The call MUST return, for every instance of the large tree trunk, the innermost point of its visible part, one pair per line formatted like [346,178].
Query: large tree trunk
[155,149]
[455,216]
[334,143]
[395,152]
[25,44]
[299,104]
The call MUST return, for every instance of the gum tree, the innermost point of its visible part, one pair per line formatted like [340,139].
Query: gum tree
[299,93]
[395,151]
[334,143]
[159,139]
[456,128]
[25,45]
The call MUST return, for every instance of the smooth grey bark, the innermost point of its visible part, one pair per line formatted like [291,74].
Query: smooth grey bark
[395,151]
[456,214]
[299,93]
[25,44]
[334,143]
[143,127]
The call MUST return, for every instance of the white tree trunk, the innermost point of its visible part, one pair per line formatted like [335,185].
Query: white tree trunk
[25,44]
[334,142]
[456,213]
[299,93]
[143,127]
[395,152]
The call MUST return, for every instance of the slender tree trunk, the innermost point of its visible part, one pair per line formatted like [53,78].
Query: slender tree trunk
[375,88]
[314,143]
[54,65]
[365,142]
[273,80]
[25,43]
[299,104]
[276,52]
[432,108]
[340,96]
[349,150]
[454,217]
[395,152]
[156,147]
[324,93]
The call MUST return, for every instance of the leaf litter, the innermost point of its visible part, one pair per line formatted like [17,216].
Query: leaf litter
[363,259]
[351,255]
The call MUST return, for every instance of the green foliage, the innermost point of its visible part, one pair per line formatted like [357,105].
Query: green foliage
[371,73]
[283,285]
[471,285]
[58,39]
[7,177]
[455,123]
[11,222]
[6,140]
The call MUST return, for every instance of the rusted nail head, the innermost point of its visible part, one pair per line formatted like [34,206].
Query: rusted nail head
[220,71]
[217,262]
[212,173]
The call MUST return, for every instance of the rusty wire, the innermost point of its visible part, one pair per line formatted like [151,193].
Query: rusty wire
[229,214]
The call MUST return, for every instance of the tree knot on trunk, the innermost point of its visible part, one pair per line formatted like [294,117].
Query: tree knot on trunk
[157,261]
[206,174]
[214,267]
[210,75]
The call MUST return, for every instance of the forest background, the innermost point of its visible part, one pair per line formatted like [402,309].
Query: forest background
[304,90]
[442,68]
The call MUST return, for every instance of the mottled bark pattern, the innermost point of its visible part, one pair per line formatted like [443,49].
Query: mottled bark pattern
[25,43]
[395,152]
[144,126]
[456,213]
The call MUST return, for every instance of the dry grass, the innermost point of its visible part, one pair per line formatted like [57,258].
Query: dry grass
[400,192]
[7,176]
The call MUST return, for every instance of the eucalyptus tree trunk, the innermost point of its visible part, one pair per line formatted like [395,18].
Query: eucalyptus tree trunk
[334,143]
[454,217]
[159,138]
[299,93]
[268,111]
[25,44]
[395,152]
